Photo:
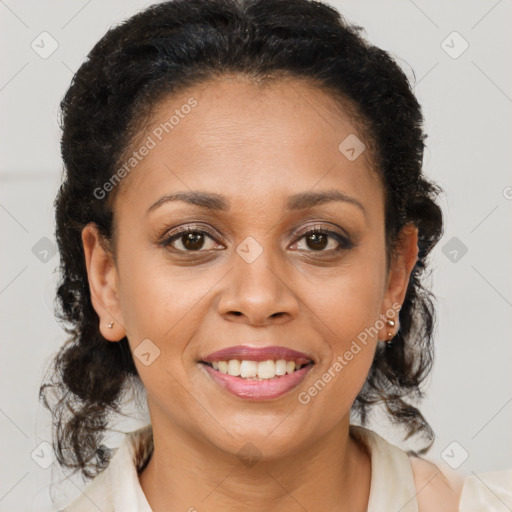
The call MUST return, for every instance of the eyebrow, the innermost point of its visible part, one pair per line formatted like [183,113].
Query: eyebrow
[218,202]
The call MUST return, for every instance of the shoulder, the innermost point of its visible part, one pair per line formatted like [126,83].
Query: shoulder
[492,489]
[437,491]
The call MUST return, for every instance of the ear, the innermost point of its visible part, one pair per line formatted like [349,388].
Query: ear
[103,283]
[400,269]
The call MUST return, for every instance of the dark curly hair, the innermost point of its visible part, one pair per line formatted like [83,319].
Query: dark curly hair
[176,44]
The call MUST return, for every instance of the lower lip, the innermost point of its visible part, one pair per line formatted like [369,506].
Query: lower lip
[265,389]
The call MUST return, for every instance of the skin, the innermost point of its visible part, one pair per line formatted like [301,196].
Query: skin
[256,145]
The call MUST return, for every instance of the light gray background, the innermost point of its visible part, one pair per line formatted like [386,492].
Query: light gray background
[467,105]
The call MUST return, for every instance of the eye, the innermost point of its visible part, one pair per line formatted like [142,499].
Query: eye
[189,239]
[320,239]
[199,239]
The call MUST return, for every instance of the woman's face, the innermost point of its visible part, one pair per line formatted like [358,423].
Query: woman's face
[250,273]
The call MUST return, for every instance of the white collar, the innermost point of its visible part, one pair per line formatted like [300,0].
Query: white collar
[392,481]
[127,493]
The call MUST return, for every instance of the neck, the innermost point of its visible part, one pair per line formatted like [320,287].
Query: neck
[185,473]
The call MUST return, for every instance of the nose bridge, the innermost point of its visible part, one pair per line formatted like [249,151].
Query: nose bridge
[257,291]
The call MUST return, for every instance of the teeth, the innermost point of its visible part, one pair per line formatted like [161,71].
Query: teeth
[256,370]
[248,369]
[234,367]
[266,369]
[280,367]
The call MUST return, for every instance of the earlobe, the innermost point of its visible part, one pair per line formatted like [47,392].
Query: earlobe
[102,277]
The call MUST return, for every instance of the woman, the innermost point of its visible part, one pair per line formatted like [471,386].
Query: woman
[243,226]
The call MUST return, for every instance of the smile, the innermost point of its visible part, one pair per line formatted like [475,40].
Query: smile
[256,388]
[257,373]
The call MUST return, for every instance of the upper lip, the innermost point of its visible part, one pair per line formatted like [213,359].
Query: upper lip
[246,352]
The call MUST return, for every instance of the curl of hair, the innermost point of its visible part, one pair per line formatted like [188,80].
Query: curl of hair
[176,44]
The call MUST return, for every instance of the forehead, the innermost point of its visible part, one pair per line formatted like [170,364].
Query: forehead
[245,140]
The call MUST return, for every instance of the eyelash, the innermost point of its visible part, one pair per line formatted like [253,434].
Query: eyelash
[344,242]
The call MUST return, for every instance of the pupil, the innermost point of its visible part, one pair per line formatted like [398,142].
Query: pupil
[193,241]
[319,241]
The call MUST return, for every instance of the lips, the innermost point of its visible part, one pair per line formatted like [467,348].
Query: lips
[244,352]
[257,373]
[257,390]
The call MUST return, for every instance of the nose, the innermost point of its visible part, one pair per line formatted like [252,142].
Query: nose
[258,294]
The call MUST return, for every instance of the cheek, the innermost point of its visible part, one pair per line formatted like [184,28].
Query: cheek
[165,304]
[161,312]
[156,295]
[348,306]
[348,301]
[348,321]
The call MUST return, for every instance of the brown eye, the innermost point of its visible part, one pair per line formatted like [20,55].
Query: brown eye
[190,240]
[324,240]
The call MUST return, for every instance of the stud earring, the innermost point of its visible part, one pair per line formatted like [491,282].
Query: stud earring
[110,325]
[391,323]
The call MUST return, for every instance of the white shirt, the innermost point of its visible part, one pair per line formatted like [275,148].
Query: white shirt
[392,488]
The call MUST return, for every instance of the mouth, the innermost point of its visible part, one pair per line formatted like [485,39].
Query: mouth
[257,373]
